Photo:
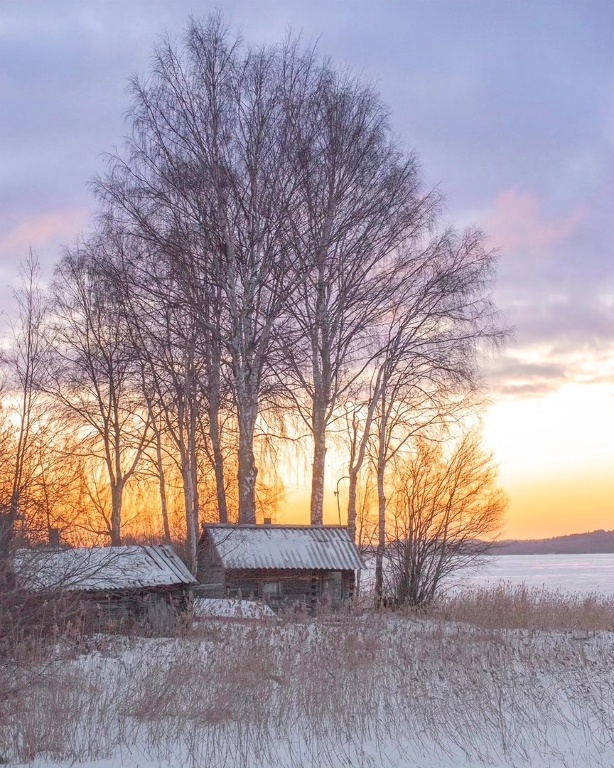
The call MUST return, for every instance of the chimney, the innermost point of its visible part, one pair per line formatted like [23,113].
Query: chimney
[54,537]
[267,521]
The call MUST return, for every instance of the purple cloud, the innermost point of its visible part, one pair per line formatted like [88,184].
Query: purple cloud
[509,106]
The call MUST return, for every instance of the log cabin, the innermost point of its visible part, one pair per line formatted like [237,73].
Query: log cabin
[104,588]
[280,564]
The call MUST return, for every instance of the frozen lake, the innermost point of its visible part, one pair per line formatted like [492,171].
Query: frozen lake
[573,573]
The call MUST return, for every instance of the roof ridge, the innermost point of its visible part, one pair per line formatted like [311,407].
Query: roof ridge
[274,526]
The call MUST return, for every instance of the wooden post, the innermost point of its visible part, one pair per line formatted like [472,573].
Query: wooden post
[314,589]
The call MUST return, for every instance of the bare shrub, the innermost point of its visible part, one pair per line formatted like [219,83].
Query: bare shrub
[446,511]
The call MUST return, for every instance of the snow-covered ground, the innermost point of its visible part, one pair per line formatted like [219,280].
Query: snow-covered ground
[209,607]
[370,692]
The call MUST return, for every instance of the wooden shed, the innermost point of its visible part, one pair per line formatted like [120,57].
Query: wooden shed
[280,564]
[108,586]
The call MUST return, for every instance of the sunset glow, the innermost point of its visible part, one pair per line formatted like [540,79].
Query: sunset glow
[556,458]
[556,454]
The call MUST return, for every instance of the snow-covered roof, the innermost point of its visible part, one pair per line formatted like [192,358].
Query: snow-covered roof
[101,568]
[316,547]
[234,609]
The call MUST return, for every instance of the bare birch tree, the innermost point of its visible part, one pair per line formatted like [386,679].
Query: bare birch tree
[430,370]
[23,362]
[207,177]
[362,200]
[181,376]
[92,373]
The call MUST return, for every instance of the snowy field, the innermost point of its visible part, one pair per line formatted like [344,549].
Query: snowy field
[352,692]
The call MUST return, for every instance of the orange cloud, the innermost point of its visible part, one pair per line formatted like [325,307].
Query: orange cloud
[43,230]
[517,222]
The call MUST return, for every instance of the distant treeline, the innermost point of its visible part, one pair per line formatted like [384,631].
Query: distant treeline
[575,544]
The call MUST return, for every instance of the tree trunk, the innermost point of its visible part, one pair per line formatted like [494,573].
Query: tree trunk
[352,496]
[321,366]
[357,457]
[191,513]
[381,532]
[213,312]
[186,443]
[247,470]
[218,466]
[7,576]
[192,505]
[162,485]
[319,463]
[214,435]
[116,514]
[381,505]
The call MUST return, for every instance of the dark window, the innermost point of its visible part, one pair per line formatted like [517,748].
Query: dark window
[331,584]
[271,589]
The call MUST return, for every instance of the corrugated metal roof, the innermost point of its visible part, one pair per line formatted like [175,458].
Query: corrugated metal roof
[101,568]
[318,547]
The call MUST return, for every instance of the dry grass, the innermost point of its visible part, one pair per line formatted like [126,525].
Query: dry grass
[373,690]
[521,607]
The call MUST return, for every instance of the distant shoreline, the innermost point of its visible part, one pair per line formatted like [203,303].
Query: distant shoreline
[594,543]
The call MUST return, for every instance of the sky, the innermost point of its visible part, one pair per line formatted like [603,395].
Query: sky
[510,107]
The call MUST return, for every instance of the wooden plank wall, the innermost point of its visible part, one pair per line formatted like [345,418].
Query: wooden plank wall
[297,586]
